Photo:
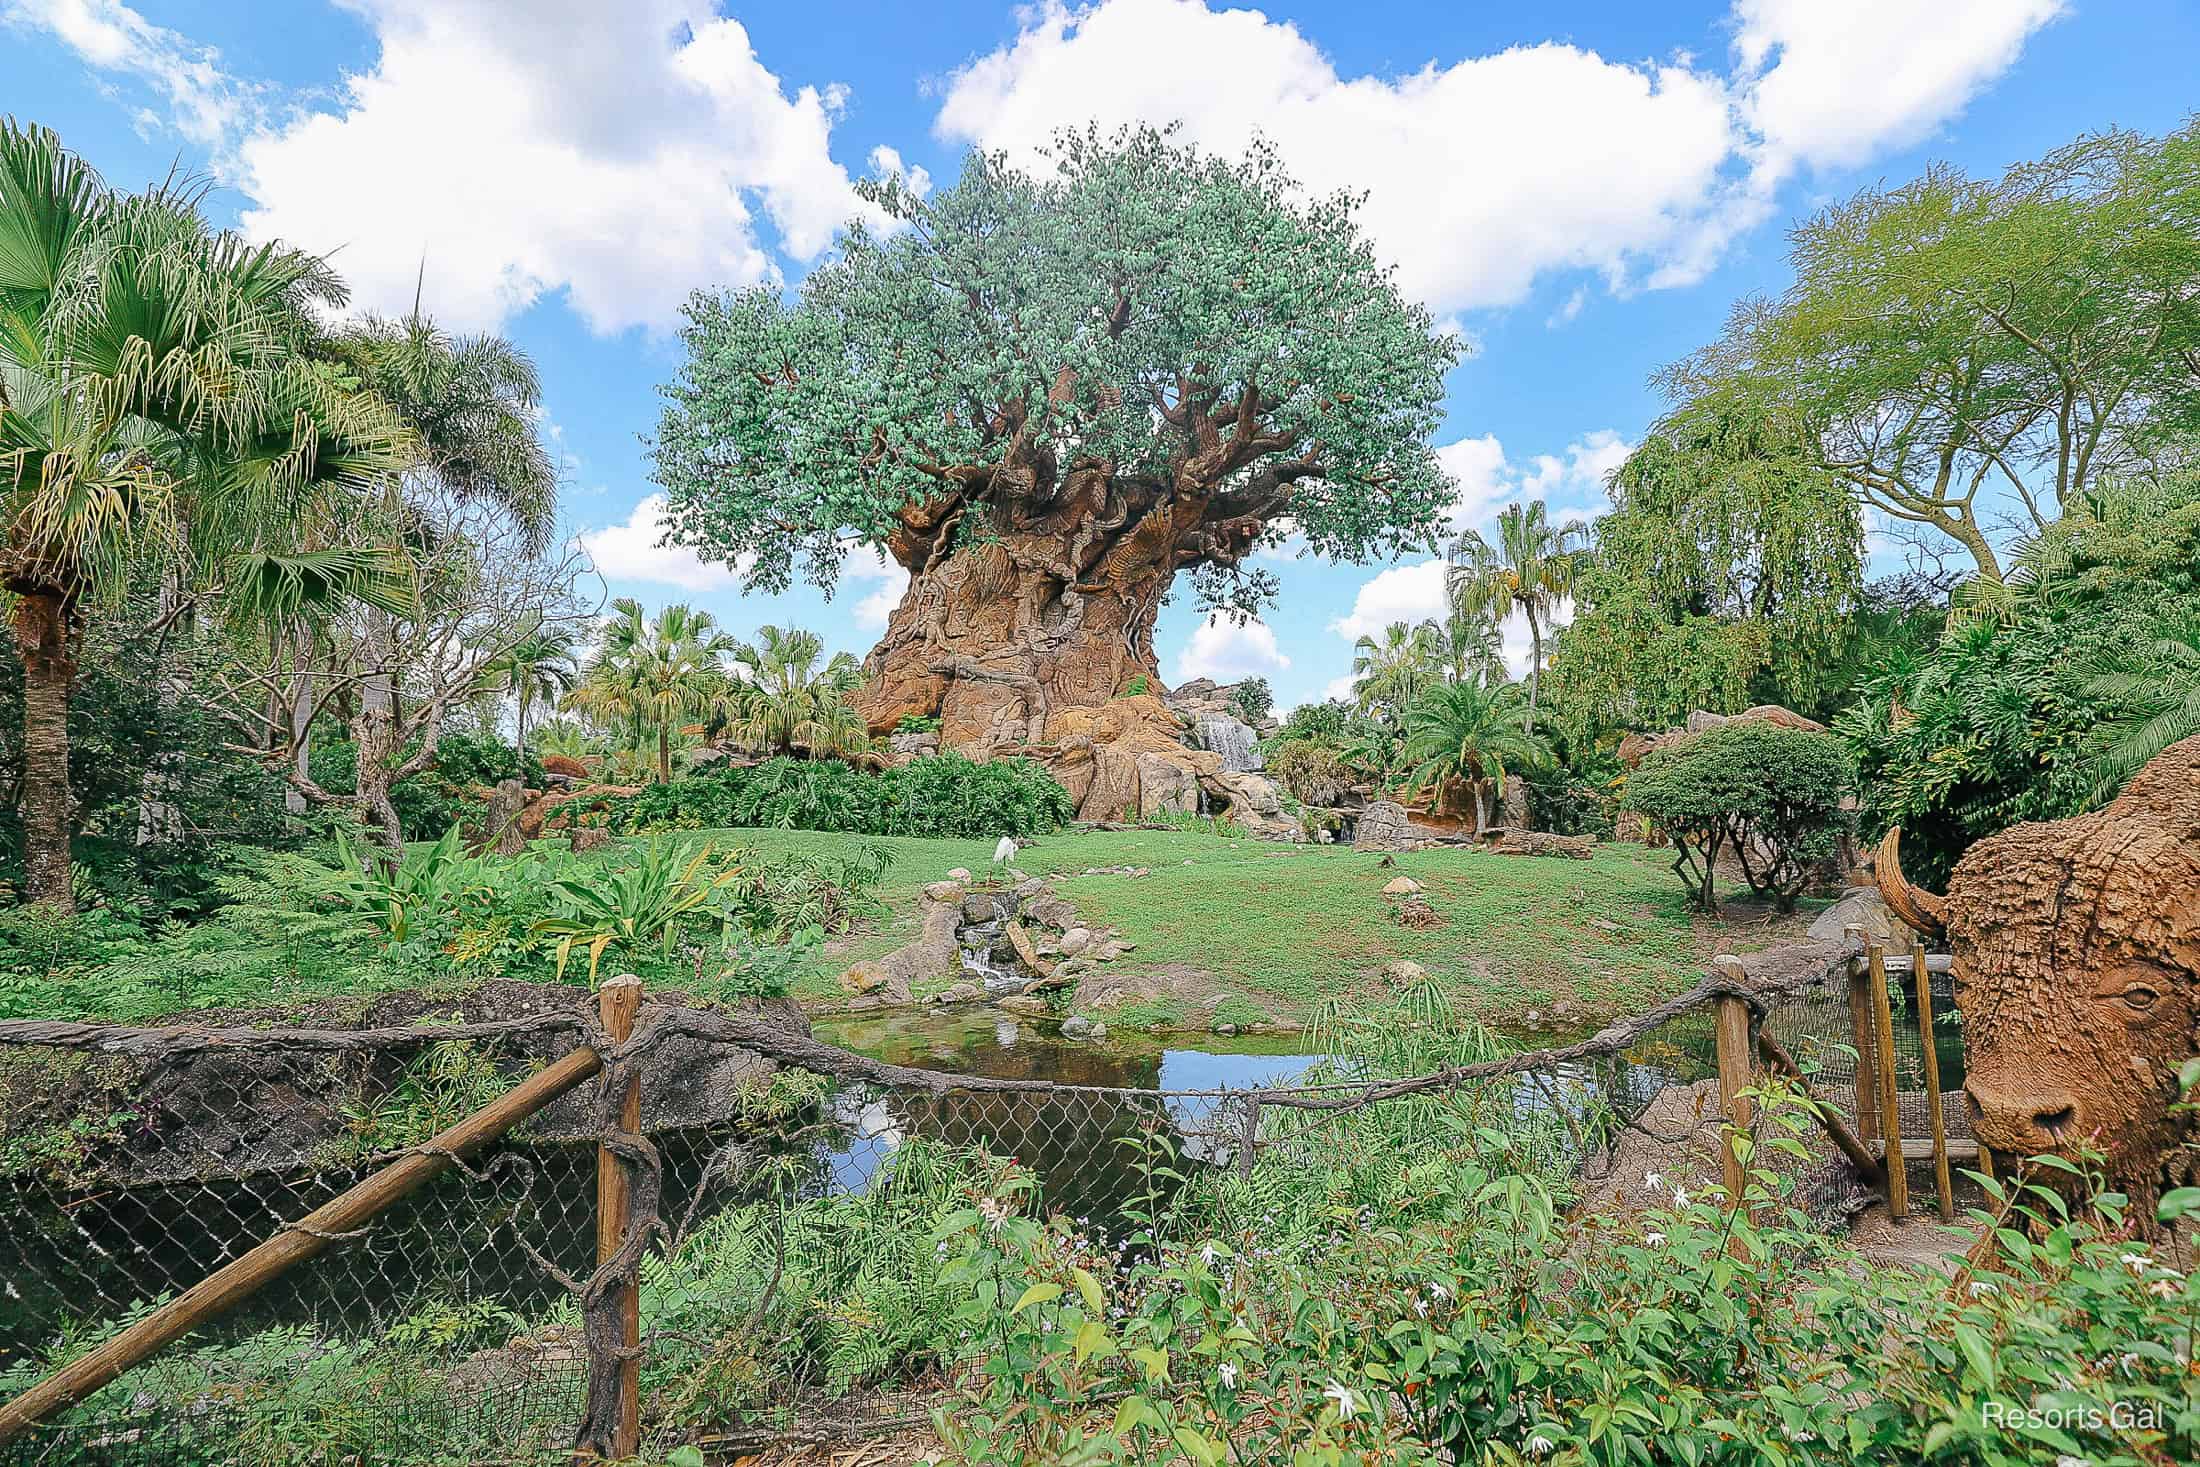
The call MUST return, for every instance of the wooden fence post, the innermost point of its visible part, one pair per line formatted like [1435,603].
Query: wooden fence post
[1731,1017]
[618,1002]
[1864,1036]
[292,1245]
[1890,1099]
[1923,981]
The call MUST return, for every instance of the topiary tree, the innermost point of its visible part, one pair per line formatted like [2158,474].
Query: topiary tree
[1769,795]
[1045,397]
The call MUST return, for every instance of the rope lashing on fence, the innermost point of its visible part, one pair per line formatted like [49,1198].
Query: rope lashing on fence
[161,1042]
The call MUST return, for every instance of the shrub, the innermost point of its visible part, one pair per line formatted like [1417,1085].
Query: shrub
[946,795]
[1312,771]
[1252,699]
[441,798]
[1322,723]
[917,723]
[1769,795]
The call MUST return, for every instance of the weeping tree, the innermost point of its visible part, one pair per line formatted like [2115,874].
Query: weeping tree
[1045,396]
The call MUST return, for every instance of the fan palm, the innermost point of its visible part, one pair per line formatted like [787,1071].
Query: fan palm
[1470,733]
[1466,648]
[1530,569]
[542,665]
[1389,672]
[650,673]
[783,701]
[156,406]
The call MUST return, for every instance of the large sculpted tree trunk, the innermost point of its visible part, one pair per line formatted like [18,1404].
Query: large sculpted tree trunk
[1026,638]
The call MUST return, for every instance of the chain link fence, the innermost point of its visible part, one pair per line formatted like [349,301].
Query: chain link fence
[786,1196]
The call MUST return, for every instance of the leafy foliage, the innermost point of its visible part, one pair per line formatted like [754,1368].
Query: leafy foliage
[941,795]
[1103,313]
[1252,699]
[1312,771]
[1769,796]
[445,796]
[1469,734]
[2009,717]
[1725,576]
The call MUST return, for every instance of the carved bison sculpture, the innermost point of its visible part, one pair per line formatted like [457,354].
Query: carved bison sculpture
[2077,970]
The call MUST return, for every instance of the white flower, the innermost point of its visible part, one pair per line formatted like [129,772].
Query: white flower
[2163,1288]
[1652,1180]
[1207,1254]
[1438,1291]
[2136,1262]
[1981,1289]
[995,1215]
[1655,1240]
[1540,1445]
[1227,1374]
[1347,1404]
[2066,1460]
[1680,1198]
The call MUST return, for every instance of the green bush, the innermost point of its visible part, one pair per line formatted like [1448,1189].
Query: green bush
[940,796]
[1768,795]
[1311,770]
[441,797]
[1252,699]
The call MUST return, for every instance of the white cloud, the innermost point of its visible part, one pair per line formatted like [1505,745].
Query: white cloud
[636,551]
[1228,651]
[1410,593]
[204,103]
[1830,85]
[623,154]
[886,162]
[1486,172]
[865,563]
[1573,480]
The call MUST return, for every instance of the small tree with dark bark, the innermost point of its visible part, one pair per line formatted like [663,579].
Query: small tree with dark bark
[1045,397]
[1769,795]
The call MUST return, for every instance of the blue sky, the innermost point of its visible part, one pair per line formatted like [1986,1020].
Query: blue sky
[1581,189]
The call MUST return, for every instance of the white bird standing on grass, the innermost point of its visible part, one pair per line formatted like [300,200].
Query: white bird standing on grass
[1005,852]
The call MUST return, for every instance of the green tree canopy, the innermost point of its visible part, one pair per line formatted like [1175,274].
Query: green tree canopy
[1220,350]
[1725,575]
[1957,343]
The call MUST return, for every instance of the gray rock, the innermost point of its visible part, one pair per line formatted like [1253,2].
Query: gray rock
[961,874]
[1404,973]
[1075,1027]
[979,906]
[1022,1003]
[1383,827]
[1075,941]
[1860,906]
[1401,886]
[944,891]
[914,745]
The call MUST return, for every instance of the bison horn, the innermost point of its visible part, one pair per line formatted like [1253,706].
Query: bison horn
[1913,904]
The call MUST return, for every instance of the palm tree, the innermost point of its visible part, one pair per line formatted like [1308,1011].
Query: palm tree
[156,408]
[470,404]
[1467,648]
[1470,733]
[1530,569]
[544,664]
[782,700]
[1388,674]
[651,673]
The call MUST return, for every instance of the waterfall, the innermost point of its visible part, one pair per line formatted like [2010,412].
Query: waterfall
[1232,740]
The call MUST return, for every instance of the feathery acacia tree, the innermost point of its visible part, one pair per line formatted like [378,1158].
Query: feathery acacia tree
[1956,342]
[156,403]
[1045,397]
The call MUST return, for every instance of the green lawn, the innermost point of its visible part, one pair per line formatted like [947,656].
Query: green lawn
[1291,925]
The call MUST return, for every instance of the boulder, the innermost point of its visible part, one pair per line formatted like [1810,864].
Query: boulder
[960,874]
[1023,1004]
[1166,785]
[1075,941]
[564,764]
[944,891]
[589,838]
[1098,749]
[959,993]
[1860,906]
[1076,1027]
[979,906]
[500,823]
[1404,973]
[1401,886]
[1512,807]
[913,745]
[1383,827]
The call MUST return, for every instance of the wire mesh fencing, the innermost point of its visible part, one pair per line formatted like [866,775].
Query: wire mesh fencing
[787,1196]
